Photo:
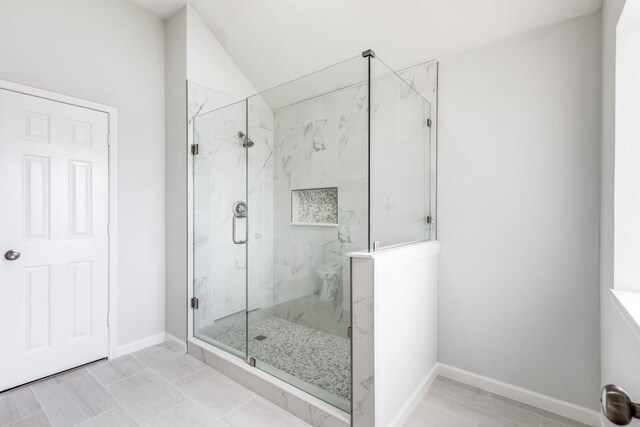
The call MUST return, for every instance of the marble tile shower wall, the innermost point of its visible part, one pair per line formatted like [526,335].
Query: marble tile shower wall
[319,143]
[322,142]
[220,178]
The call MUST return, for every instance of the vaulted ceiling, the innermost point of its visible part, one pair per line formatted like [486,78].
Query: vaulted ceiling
[274,41]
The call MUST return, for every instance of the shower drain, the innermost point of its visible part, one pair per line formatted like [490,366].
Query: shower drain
[260,338]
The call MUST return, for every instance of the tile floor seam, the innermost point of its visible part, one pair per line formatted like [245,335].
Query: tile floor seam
[19,419]
[102,413]
[157,372]
[235,408]
[185,376]
[199,404]
[40,403]
[140,373]
[530,409]
[25,417]
[504,399]
[172,384]
[113,397]
[157,416]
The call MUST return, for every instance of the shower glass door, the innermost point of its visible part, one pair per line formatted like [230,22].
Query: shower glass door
[285,185]
[220,228]
[307,195]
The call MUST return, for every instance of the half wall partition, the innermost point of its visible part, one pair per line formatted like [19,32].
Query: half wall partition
[285,184]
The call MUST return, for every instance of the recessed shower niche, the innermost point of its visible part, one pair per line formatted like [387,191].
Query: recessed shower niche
[315,206]
[327,164]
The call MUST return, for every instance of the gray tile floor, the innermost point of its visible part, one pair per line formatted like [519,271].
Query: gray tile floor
[157,386]
[161,387]
[452,404]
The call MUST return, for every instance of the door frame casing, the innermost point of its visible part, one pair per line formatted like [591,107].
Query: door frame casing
[112,238]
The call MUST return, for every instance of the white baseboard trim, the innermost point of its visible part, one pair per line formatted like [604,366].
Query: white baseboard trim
[532,398]
[182,344]
[412,403]
[134,346]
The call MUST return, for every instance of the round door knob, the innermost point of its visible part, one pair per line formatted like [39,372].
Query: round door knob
[12,255]
[617,406]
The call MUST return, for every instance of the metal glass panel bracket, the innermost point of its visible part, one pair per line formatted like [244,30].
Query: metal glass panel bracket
[368,53]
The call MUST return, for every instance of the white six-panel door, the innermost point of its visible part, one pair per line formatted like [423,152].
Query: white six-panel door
[54,212]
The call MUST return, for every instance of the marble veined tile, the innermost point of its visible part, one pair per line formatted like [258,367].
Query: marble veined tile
[75,401]
[254,413]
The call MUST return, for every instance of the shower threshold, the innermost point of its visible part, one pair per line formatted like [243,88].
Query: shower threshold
[303,405]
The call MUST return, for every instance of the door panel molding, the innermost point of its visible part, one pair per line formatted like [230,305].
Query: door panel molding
[37,129]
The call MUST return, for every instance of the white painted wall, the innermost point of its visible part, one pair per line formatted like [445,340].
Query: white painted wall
[209,64]
[176,152]
[110,52]
[519,202]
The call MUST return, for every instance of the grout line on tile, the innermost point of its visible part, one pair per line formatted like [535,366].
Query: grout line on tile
[114,399]
[40,403]
[27,416]
[173,385]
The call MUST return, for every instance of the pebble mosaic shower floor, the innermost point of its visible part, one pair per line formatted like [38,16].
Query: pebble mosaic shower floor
[312,356]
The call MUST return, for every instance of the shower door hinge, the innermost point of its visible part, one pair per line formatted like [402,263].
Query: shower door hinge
[429,122]
[194,303]
[194,149]
[429,219]
[348,331]
[251,361]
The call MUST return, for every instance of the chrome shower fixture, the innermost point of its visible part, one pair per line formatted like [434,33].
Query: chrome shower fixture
[246,142]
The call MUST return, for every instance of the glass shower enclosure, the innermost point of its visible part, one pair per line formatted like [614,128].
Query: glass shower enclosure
[285,184]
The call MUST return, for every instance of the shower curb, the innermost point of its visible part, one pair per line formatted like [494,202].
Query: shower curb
[309,409]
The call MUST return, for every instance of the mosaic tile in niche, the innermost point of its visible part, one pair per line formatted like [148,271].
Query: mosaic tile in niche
[316,206]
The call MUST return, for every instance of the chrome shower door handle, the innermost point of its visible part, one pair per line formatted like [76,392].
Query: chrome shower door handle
[239,211]
[233,229]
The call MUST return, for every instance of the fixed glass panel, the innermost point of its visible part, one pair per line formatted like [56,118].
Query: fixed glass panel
[400,181]
[219,263]
[307,196]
